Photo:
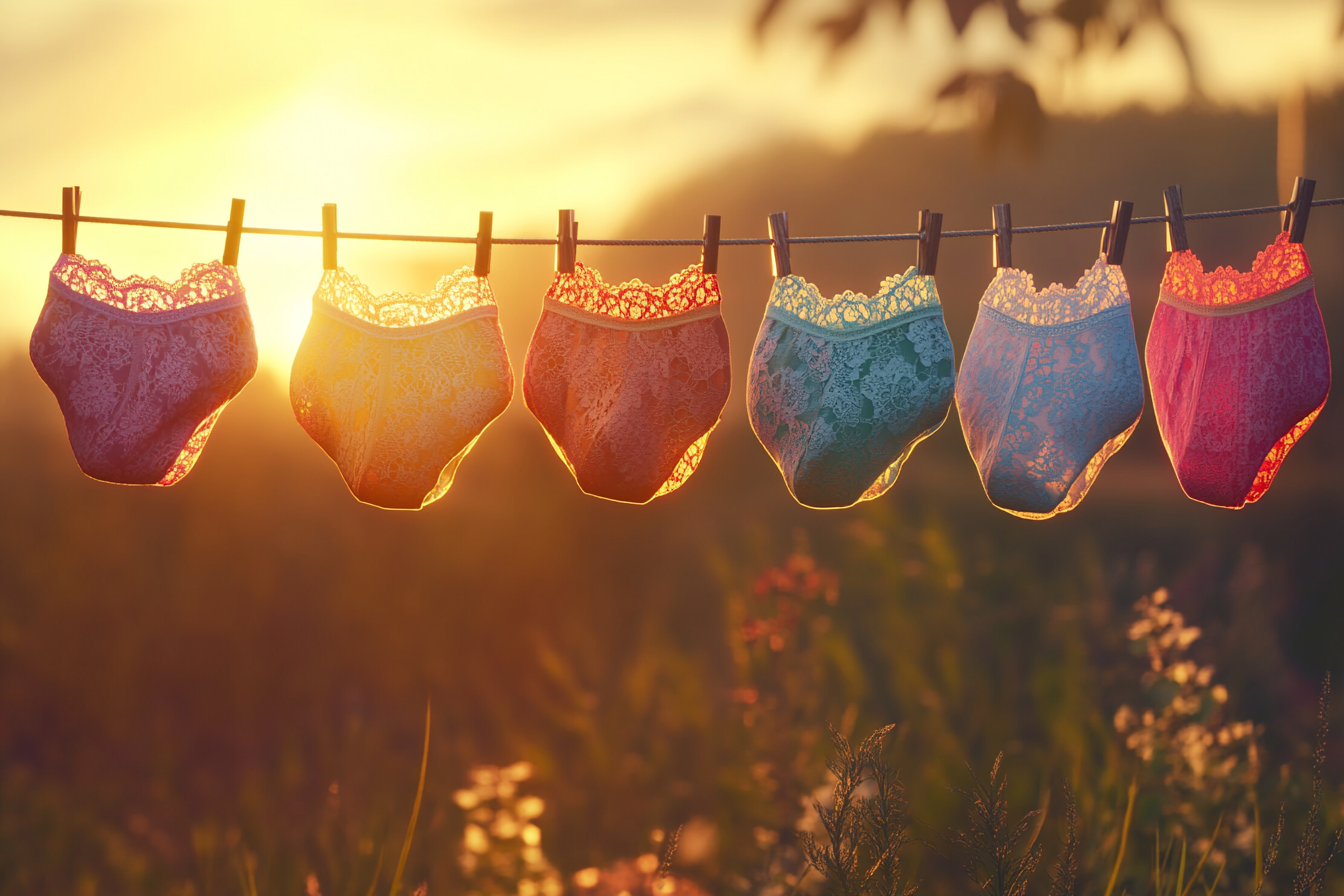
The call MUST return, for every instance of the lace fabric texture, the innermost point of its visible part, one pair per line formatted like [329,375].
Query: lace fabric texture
[1050,388]
[635,300]
[629,389]
[141,368]
[201,283]
[397,389]
[1234,392]
[1013,294]
[454,294]
[840,393]
[794,297]
[1278,267]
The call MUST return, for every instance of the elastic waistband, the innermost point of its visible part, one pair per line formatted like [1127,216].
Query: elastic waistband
[1064,328]
[152,315]
[704,312]
[1291,291]
[856,332]
[378,330]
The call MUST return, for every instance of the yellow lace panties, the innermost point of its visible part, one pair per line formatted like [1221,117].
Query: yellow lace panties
[396,389]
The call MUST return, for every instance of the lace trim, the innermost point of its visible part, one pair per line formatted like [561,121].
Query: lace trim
[1307,284]
[896,296]
[686,466]
[186,458]
[446,476]
[585,290]
[657,323]
[889,476]
[1013,294]
[1064,329]
[80,278]
[1278,267]
[1264,477]
[1083,484]
[381,332]
[454,294]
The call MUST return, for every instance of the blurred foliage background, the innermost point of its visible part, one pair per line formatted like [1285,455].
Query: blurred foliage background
[228,677]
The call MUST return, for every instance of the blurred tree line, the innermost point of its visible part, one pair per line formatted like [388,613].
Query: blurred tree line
[1006,99]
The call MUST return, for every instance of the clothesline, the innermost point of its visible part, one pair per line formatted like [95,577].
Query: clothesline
[629,383]
[762,241]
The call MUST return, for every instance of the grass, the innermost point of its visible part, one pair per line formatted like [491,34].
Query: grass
[866,827]
[415,814]
[860,854]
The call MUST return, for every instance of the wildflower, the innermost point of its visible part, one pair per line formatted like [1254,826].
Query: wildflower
[475,838]
[628,878]
[505,826]
[1184,737]
[501,846]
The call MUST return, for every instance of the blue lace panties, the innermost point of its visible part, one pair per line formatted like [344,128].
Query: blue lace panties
[1049,389]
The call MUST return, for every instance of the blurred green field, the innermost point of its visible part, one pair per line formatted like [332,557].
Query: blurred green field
[240,664]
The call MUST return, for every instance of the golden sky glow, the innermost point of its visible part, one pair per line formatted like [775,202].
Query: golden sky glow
[412,116]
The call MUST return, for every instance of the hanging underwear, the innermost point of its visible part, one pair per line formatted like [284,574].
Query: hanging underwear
[141,368]
[1050,388]
[396,389]
[629,380]
[840,391]
[1239,367]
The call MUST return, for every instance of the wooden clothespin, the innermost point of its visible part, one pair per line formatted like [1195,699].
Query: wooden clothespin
[233,236]
[484,233]
[1176,239]
[70,197]
[1115,234]
[779,244]
[567,242]
[709,250]
[1295,218]
[1003,235]
[926,251]
[329,237]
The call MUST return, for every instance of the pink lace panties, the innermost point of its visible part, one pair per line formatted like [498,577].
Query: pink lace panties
[141,368]
[629,380]
[397,389]
[1239,368]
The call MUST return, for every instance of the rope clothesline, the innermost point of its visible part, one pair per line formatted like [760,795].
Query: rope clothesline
[761,241]
[456,384]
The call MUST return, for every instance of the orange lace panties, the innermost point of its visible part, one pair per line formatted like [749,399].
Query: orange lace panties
[629,380]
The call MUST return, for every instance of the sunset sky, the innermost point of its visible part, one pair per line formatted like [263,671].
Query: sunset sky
[413,116]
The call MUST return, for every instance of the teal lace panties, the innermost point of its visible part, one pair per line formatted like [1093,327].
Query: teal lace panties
[841,390]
